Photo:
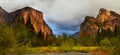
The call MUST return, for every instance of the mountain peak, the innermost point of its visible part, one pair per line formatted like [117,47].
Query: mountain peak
[30,17]
[28,8]
[105,20]
[103,10]
[89,19]
[34,18]
[103,15]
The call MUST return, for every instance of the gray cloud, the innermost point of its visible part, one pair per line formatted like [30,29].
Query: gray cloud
[12,5]
[63,15]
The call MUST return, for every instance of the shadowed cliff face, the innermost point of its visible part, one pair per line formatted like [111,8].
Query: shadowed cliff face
[31,16]
[3,15]
[105,20]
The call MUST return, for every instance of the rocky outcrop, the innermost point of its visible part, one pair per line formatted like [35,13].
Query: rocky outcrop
[30,17]
[105,20]
[108,19]
[3,15]
[104,15]
[88,27]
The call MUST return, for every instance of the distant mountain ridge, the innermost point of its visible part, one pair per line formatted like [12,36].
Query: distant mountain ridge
[105,20]
[27,16]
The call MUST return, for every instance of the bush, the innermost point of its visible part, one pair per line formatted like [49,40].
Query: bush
[105,43]
[112,45]
[87,41]
[7,38]
[14,36]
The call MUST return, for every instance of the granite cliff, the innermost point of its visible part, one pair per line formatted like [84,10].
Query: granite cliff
[30,17]
[106,19]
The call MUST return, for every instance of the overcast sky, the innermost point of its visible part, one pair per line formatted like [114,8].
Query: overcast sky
[63,15]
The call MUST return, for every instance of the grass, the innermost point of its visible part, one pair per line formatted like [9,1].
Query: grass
[58,49]
[85,49]
[49,49]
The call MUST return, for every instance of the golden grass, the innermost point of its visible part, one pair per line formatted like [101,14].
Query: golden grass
[50,49]
[58,49]
[86,48]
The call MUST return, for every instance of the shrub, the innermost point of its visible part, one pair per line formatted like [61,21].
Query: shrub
[112,45]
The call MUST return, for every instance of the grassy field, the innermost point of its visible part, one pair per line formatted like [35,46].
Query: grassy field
[50,49]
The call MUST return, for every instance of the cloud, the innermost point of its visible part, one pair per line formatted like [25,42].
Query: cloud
[12,5]
[70,13]
[63,15]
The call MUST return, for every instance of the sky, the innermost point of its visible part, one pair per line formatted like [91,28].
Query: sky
[63,15]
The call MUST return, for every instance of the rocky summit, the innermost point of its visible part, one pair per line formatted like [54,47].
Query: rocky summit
[30,17]
[106,19]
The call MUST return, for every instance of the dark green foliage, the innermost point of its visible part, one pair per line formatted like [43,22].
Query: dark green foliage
[22,35]
[7,36]
[14,34]
[103,34]
[112,45]
[61,40]
[87,41]
[109,40]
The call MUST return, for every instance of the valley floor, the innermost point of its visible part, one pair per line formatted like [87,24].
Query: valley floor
[78,50]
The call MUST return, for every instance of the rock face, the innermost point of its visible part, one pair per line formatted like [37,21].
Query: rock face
[104,15]
[105,20]
[31,18]
[3,15]
[88,27]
